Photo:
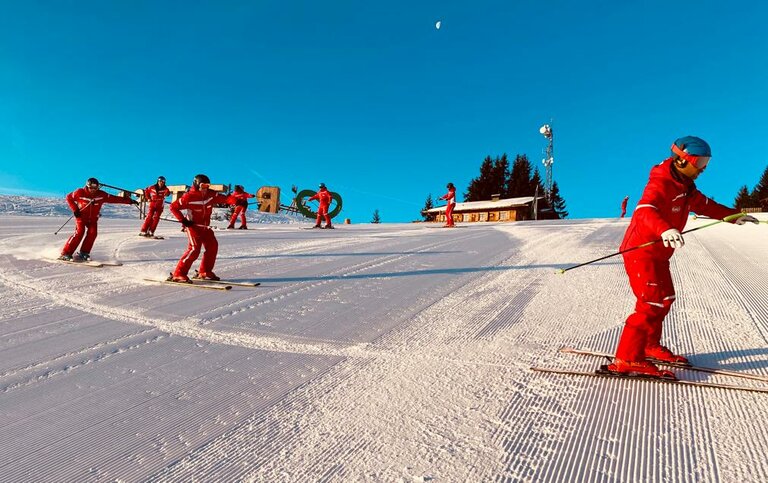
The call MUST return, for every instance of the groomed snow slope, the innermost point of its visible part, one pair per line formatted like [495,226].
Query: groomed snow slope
[372,352]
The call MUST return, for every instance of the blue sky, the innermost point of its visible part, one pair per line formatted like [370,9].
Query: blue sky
[371,99]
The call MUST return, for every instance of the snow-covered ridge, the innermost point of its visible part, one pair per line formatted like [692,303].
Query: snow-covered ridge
[42,206]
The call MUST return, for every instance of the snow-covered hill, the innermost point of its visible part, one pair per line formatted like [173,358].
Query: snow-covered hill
[372,353]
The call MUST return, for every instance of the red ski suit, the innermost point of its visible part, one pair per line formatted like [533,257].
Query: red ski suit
[89,203]
[450,197]
[666,202]
[240,201]
[200,234]
[324,197]
[155,196]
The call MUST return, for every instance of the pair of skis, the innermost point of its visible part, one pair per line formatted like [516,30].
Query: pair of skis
[206,284]
[90,263]
[602,372]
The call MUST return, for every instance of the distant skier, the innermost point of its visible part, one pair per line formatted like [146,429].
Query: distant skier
[199,201]
[85,204]
[624,206]
[450,198]
[239,200]
[661,213]
[155,196]
[324,198]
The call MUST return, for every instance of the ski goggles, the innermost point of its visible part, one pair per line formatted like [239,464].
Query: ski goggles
[92,187]
[698,162]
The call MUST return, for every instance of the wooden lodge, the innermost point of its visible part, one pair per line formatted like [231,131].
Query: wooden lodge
[509,209]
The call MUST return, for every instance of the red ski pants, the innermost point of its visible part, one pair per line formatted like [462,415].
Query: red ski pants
[322,212]
[239,211]
[82,228]
[651,283]
[449,214]
[199,238]
[152,219]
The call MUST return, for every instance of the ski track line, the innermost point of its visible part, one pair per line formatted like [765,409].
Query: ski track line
[301,287]
[41,371]
[322,458]
[104,444]
[190,327]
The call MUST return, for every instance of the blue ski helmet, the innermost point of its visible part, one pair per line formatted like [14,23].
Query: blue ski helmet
[322,185]
[693,146]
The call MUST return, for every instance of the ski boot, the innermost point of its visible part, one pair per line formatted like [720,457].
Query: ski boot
[65,257]
[660,353]
[207,276]
[231,227]
[328,227]
[82,257]
[243,227]
[142,233]
[179,278]
[644,369]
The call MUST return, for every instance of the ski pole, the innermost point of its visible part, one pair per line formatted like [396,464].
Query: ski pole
[643,245]
[71,216]
[130,193]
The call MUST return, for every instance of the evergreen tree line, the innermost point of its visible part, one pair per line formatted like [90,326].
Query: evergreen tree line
[757,197]
[519,180]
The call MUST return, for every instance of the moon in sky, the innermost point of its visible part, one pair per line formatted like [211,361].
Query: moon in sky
[437,25]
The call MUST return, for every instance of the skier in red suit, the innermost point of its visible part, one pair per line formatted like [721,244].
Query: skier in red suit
[324,198]
[155,196]
[200,201]
[450,198]
[624,206]
[661,213]
[85,204]
[239,200]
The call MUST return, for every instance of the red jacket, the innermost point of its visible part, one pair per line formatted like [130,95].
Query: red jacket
[239,198]
[89,202]
[199,205]
[450,197]
[323,196]
[156,195]
[666,202]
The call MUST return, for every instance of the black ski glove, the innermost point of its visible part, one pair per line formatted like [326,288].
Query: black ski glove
[187,222]
[76,213]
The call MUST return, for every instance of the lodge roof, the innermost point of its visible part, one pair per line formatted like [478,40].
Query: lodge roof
[487,204]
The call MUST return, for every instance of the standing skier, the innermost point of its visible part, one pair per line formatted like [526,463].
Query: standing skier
[155,196]
[199,201]
[324,198]
[85,204]
[662,213]
[624,206]
[450,198]
[239,200]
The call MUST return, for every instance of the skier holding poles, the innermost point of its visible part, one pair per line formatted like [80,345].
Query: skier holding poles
[85,204]
[450,198]
[660,215]
[199,200]
[239,200]
[323,196]
[155,196]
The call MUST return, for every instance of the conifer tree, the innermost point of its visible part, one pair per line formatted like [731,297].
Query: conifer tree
[558,203]
[519,183]
[479,188]
[376,218]
[743,199]
[428,205]
[760,193]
